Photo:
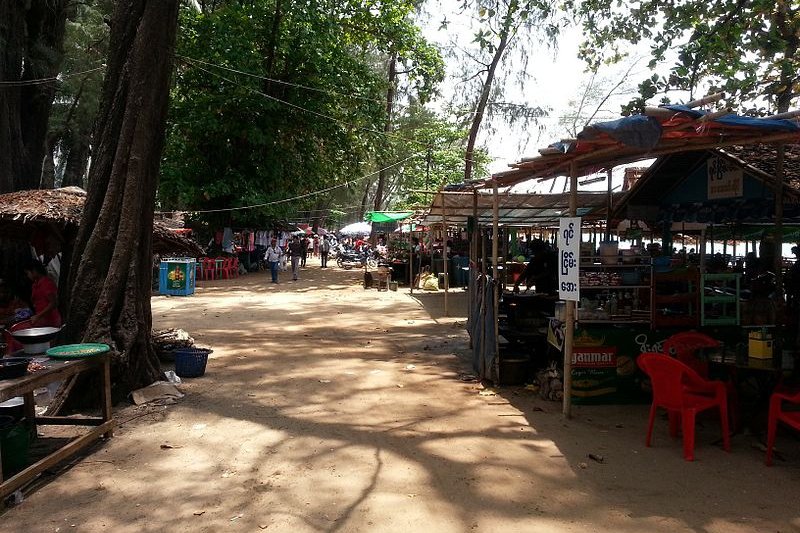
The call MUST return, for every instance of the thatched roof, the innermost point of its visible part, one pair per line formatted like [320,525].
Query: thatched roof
[62,207]
[59,211]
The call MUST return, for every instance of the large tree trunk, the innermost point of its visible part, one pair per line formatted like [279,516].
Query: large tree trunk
[483,100]
[112,262]
[77,160]
[32,37]
[12,37]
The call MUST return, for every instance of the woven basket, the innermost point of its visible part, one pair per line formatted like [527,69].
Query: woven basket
[191,362]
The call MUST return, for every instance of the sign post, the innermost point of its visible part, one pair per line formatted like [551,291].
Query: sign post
[569,249]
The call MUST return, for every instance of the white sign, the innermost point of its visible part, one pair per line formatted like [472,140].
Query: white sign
[725,180]
[569,249]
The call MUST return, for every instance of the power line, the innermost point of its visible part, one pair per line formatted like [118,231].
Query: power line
[44,81]
[300,108]
[282,82]
[300,197]
[310,111]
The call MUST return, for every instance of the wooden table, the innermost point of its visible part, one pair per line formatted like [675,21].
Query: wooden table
[58,371]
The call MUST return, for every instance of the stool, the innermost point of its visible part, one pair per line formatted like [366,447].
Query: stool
[382,278]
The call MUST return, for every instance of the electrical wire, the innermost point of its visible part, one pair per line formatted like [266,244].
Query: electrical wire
[281,82]
[300,108]
[294,198]
[310,111]
[44,81]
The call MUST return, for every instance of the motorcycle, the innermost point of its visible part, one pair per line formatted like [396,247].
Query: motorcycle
[348,259]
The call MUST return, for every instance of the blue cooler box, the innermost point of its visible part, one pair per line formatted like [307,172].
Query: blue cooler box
[176,276]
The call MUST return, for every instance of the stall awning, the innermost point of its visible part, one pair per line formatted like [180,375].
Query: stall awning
[387,216]
[660,131]
[515,209]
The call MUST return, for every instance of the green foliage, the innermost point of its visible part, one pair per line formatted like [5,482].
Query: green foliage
[749,49]
[310,117]
[430,169]
[78,96]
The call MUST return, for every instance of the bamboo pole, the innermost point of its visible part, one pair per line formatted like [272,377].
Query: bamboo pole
[444,255]
[609,206]
[495,229]
[708,99]
[569,333]
[411,260]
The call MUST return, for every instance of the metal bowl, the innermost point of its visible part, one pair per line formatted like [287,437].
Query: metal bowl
[13,367]
[35,335]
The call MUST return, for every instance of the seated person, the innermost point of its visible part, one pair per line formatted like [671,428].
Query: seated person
[541,271]
[44,297]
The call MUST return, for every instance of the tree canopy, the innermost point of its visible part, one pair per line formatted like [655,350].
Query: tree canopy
[275,100]
[749,49]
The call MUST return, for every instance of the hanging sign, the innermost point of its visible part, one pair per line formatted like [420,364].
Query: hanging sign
[725,180]
[569,248]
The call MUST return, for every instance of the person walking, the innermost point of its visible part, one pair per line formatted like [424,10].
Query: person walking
[303,252]
[273,257]
[324,249]
[296,250]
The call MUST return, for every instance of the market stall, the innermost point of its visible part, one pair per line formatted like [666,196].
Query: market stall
[659,132]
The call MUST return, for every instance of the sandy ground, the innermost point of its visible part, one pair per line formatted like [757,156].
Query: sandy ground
[326,407]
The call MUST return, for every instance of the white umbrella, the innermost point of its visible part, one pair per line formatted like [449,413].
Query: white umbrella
[357,228]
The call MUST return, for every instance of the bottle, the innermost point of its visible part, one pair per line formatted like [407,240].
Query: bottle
[612,305]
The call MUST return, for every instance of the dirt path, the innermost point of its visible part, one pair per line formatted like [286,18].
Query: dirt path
[329,408]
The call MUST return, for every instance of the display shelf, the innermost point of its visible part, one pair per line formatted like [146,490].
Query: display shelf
[592,321]
[621,289]
[675,299]
[614,287]
[720,300]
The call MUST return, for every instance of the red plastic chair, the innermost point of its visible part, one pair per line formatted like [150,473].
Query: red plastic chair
[685,346]
[683,393]
[777,414]
[227,268]
[235,267]
[209,268]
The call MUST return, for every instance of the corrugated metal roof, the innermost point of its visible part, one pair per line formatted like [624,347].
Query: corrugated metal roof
[514,209]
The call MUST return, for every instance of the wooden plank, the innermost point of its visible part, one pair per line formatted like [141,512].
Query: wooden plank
[70,420]
[61,396]
[106,396]
[30,473]
[57,372]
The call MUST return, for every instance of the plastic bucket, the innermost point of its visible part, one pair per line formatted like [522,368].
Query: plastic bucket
[191,362]
[14,441]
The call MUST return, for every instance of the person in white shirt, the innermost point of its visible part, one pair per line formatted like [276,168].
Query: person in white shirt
[273,257]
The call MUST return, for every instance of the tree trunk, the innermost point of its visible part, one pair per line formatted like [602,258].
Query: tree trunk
[480,109]
[48,179]
[12,35]
[111,270]
[77,154]
[387,127]
[32,34]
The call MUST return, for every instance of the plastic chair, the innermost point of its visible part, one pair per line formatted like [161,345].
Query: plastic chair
[209,268]
[685,346]
[683,393]
[777,414]
[235,267]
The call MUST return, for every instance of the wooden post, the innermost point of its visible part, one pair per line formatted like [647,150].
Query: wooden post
[609,207]
[778,266]
[569,333]
[444,252]
[495,229]
[411,259]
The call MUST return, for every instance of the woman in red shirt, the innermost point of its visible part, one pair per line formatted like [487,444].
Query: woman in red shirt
[44,297]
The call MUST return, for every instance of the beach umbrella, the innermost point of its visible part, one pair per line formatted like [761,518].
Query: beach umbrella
[357,228]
